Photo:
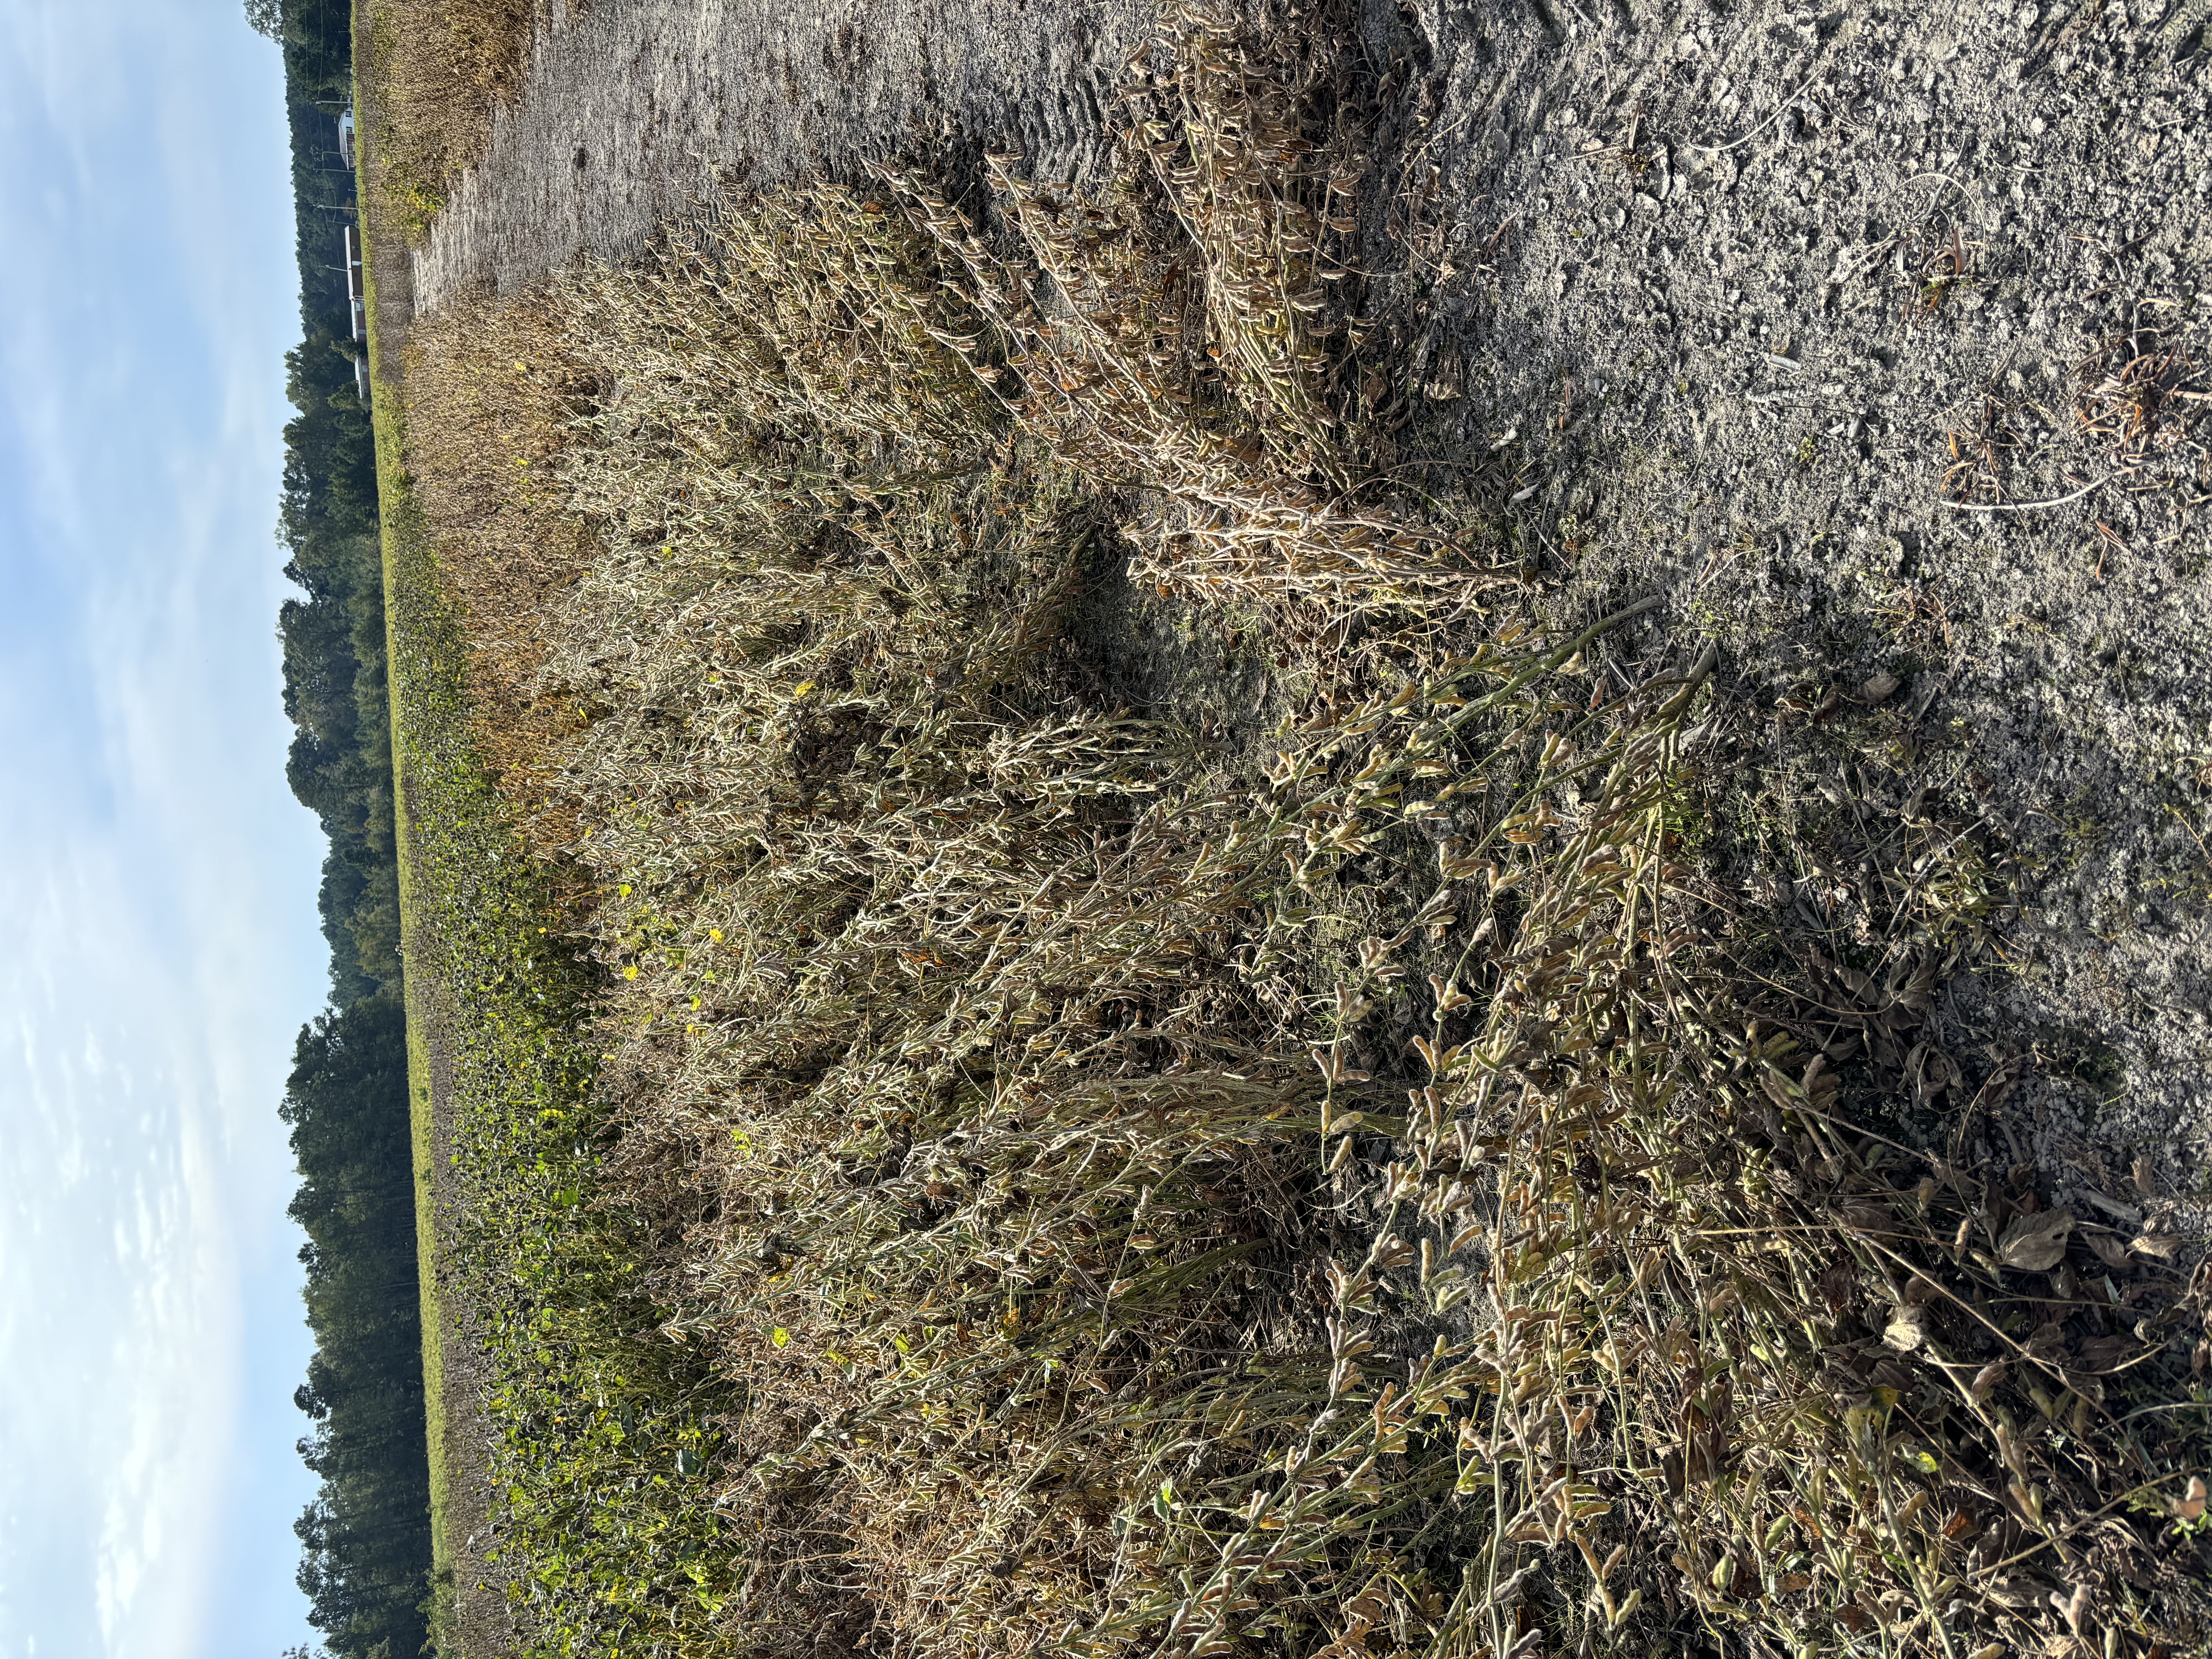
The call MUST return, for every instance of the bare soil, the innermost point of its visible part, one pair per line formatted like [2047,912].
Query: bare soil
[1792,316]
[639,108]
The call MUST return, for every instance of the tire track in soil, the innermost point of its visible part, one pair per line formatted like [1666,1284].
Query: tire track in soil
[636,109]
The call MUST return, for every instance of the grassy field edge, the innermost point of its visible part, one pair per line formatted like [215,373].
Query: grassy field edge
[393,519]
[491,998]
[392,494]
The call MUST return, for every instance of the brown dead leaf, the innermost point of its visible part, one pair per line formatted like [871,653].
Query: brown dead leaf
[2109,1249]
[2101,1353]
[1879,688]
[2073,1609]
[2190,1506]
[1907,1329]
[2036,1243]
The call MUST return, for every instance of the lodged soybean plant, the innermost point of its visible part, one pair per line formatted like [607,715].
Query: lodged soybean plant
[982,1095]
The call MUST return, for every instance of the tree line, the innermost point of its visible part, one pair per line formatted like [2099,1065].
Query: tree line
[365,1539]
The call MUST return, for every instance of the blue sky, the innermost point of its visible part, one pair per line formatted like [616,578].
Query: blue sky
[158,947]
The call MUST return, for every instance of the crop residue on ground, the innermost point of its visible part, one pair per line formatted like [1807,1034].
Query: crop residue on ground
[1073,1018]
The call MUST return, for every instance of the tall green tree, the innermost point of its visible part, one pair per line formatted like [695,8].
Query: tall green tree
[365,1540]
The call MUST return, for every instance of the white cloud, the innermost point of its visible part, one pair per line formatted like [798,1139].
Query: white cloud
[128,1414]
[156,882]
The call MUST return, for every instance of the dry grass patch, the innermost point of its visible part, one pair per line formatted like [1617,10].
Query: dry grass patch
[491,391]
[1104,1194]
[440,68]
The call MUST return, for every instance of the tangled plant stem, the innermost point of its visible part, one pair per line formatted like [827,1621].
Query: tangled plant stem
[980,1115]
